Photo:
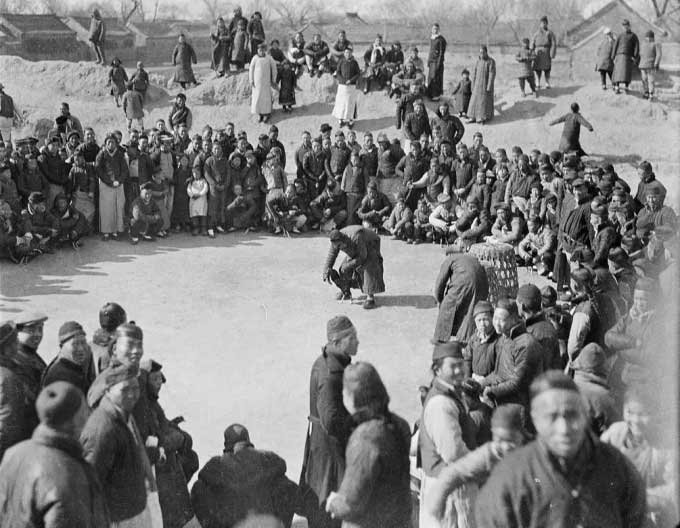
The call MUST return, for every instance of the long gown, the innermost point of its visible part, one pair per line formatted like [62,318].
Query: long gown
[481,102]
[221,41]
[262,75]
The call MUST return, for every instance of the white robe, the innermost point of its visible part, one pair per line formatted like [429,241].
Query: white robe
[345,108]
[262,76]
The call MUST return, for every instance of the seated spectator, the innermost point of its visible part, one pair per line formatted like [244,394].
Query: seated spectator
[287,212]
[473,224]
[46,480]
[30,178]
[329,208]
[241,211]
[590,376]
[635,439]
[402,81]
[337,50]
[509,227]
[414,59]
[400,222]
[537,248]
[394,59]
[83,186]
[621,267]
[405,104]
[316,56]
[443,219]
[417,122]
[423,231]
[146,221]
[73,361]
[374,209]
[242,481]
[39,222]
[435,182]
[389,155]
[604,236]
[481,191]
[72,223]
[374,65]
[654,214]
[296,54]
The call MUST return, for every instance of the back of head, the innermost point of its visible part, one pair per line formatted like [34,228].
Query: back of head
[111,316]
[363,382]
[236,435]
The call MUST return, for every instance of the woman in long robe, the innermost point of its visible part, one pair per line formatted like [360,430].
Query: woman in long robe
[221,41]
[262,75]
[483,77]
[461,283]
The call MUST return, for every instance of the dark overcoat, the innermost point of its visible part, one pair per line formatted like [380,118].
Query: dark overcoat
[626,55]
[183,56]
[324,460]
[47,482]
[460,284]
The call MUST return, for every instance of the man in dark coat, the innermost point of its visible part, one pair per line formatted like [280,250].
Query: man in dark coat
[73,361]
[626,55]
[113,445]
[362,267]
[435,64]
[451,127]
[242,481]
[46,480]
[324,459]
[520,360]
[97,36]
[17,413]
[572,130]
[461,283]
[29,336]
[529,302]
[583,481]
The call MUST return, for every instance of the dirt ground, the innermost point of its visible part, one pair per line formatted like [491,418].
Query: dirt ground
[237,322]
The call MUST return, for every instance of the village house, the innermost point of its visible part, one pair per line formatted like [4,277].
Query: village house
[39,37]
[120,40]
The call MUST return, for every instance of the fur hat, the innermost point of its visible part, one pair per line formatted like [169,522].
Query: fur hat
[69,330]
[58,402]
[338,327]
[451,349]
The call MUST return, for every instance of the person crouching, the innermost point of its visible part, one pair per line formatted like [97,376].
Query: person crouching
[146,218]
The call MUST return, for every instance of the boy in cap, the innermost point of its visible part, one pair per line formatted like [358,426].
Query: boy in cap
[422,228]
[46,479]
[328,430]
[73,360]
[482,349]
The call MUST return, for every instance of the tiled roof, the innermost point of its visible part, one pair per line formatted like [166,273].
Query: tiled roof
[37,23]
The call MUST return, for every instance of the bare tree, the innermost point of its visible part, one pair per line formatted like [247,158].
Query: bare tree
[128,9]
[296,14]
[666,10]
[486,14]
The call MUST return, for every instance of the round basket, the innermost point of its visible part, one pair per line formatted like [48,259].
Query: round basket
[498,261]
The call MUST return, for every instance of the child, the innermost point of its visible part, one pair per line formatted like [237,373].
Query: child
[117,80]
[650,58]
[276,53]
[180,209]
[197,190]
[159,193]
[525,56]
[462,93]
[239,47]
[133,107]
[286,80]
[400,222]
[82,182]
[635,439]
[537,249]
[72,223]
[140,80]
[422,229]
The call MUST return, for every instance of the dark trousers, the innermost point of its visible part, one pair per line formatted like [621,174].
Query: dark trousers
[131,190]
[603,76]
[143,227]
[530,80]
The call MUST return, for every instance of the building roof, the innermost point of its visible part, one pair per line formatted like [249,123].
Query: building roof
[610,15]
[114,27]
[33,24]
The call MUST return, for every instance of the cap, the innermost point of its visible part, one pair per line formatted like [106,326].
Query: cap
[325,127]
[130,330]
[262,137]
[165,137]
[58,402]
[146,186]
[155,366]
[8,331]
[530,296]
[29,319]
[598,207]
[482,307]
[111,315]
[235,434]
[69,330]
[452,349]
[338,327]
[503,207]
[654,189]
[625,22]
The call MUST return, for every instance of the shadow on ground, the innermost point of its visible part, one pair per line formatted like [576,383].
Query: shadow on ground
[414,301]
[522,109]
[314,109]
[557,91]
[51,274]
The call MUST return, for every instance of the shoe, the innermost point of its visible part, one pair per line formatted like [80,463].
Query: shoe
[76,244]
[265,119]
[535,94]
[134,241]
[211,233]
[604,86]
[344,296]
[231,229]
[369,304]
[547,86]
[106,237]
[617,91]
[260,119]
[114,236]
[162,234]
[148,238]
[296,230]
[220,229]
[524,94]
[277,231]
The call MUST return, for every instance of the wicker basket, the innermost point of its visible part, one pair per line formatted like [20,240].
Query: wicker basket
[498,261]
